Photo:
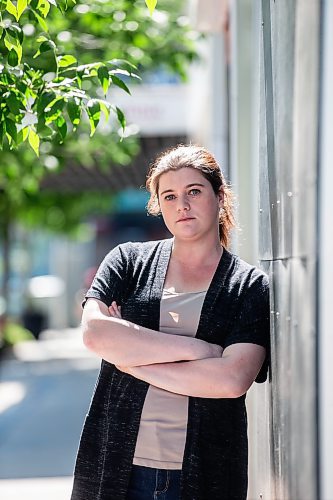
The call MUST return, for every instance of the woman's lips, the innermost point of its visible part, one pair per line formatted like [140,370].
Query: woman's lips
[184,220]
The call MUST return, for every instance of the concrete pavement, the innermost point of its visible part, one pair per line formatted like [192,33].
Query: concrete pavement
[45,389]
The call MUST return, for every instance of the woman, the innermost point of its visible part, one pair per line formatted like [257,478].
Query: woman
[182,326]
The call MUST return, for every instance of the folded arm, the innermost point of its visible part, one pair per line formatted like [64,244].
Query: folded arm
[124,343]
[227,377]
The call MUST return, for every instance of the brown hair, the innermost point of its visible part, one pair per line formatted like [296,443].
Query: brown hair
[197,157]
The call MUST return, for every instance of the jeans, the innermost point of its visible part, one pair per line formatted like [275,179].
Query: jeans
[153,484]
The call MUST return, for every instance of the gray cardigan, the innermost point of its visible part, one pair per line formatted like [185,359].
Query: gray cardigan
[236,309]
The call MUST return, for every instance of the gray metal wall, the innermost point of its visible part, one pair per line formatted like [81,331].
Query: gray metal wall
[281,80]
[289,78]
[325,296]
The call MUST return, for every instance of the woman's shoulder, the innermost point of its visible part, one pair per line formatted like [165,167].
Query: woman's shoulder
[133,250]
[245,274]
[142,246]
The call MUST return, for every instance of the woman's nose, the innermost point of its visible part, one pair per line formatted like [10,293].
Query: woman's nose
[183,203]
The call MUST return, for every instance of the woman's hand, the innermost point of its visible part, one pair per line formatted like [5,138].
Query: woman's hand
[115,310]
[216,351]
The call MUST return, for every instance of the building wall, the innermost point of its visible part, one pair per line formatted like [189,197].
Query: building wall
[325,251]
[289,118]
[279,108]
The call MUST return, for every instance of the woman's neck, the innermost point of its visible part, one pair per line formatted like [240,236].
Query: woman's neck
[193,253]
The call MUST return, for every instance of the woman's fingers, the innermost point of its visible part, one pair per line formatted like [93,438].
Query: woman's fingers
[115,310]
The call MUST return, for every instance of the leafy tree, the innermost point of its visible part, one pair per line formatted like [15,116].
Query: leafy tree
[38,87]
[57,68]
[56,78]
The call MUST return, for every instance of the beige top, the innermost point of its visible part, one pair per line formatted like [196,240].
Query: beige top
[162,432]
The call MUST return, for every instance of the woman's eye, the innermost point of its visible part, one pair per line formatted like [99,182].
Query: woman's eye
[194,192]
[169,197]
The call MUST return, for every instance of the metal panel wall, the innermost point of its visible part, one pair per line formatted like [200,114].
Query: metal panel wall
[279,132]
[244,132]
[325,260]
[288,197]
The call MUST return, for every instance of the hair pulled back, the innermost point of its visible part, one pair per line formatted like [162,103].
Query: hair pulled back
[201,159]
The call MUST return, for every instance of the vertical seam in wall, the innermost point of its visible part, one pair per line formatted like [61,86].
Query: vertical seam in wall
[318,241]
[269,107]
[270,146]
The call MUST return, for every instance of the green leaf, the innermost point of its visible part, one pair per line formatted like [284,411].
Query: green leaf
[87,68]
[24,91]
[33,140]
[2,131]
[151,4]
[44,100]
[67,60]
[14,104]
[79,76]
[121,118]
[105,108]
[10,7]
[43,130]
[94,114]
[43,7]
[10,41]
[54,111]
[103,76]
[61,126]
[13,44]
[43,24]
[22,135]
[74,112]
[11,129]
[122,63]
[124,72]
[121,66]
[21,6]
[42,38]
[12,58]
[117,81]
[65,84]
[15,31]
[45,47]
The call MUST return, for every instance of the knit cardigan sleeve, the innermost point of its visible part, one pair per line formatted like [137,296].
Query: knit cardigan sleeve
[251,318]
[110,279]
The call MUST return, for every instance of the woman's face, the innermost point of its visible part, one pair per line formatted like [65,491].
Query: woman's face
[189,206]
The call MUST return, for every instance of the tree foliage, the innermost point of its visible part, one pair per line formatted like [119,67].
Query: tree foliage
[60,62]
[57,68]
[64,74]
[41,87]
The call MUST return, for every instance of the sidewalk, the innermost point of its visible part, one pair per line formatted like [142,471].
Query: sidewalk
[54,488]
[45,390]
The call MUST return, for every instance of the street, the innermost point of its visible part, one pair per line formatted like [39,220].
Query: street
[45,390]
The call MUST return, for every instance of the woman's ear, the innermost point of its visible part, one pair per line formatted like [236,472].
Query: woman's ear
[221,197]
